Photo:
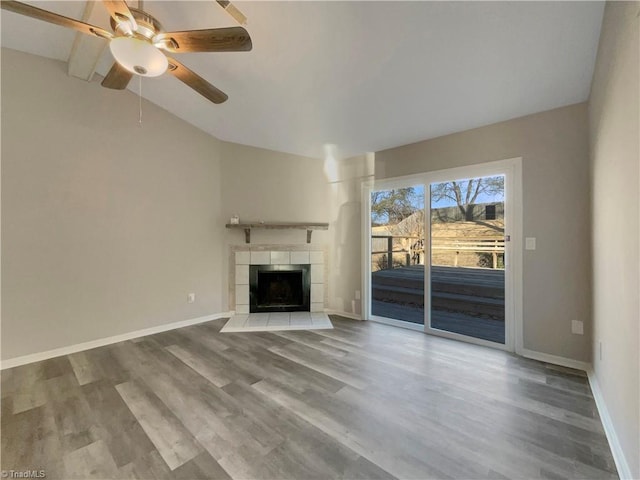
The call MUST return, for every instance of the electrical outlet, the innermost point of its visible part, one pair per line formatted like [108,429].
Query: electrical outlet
[577,327]
[191,298]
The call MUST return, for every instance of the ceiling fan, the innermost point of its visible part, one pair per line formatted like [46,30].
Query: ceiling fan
[138,43]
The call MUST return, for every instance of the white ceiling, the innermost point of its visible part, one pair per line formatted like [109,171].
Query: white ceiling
[364,76]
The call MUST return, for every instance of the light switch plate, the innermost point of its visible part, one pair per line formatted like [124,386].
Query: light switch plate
[530,243]
[577,327]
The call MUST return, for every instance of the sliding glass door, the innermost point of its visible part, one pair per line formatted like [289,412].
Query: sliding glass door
[438,254]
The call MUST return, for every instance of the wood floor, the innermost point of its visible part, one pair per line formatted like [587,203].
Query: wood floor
[361,401]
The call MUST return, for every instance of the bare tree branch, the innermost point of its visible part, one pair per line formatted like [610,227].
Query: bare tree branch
[465,195]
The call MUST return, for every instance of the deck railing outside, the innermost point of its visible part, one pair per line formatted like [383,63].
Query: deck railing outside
[493,245]
[414,253]
[409,254]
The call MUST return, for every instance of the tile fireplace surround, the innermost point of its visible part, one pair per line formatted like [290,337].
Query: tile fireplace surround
[276,255]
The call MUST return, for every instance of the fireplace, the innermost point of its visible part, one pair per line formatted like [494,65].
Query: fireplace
[283,258]
[279,288]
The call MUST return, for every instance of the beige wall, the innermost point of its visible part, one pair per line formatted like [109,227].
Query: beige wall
[264,185]
[345,180]
[615,153]
[106,226]
[554,150]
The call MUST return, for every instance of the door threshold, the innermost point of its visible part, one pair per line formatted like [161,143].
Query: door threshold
[397,323]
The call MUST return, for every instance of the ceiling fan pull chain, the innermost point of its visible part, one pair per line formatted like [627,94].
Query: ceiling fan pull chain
[140,100]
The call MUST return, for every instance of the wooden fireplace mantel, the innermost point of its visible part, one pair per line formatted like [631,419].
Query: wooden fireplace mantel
[309,227]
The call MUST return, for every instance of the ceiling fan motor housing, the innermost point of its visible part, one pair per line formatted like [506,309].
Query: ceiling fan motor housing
[148,26]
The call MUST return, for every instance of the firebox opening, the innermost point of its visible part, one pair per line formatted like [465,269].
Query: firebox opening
[279,288]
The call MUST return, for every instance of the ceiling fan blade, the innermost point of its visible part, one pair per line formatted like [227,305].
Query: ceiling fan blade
[118,77]
[229,39]
[231,9]
[120,12]
[47,16]
[196,82]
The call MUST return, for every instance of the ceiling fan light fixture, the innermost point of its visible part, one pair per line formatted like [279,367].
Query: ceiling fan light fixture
[138,56]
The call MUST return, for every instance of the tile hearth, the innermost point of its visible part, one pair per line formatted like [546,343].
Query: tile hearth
[265,322]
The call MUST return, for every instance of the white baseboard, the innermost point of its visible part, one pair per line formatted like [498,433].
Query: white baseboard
[624,471]
[56,352]
[555,360]
[353,316]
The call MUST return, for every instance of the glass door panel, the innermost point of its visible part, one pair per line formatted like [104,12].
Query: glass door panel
[397,253]
[467,274]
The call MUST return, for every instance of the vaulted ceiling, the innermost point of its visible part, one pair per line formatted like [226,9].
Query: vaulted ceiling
[363,76]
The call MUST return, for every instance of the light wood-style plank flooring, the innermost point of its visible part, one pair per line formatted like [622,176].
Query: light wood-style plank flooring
[361,401]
